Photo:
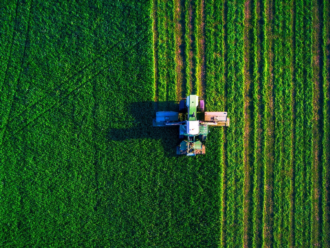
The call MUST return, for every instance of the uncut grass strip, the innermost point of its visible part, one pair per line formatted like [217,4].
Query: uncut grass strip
[172,75]
[239,101]
[325,126]
[264,123]
[308,123]
[80,70]
[278,92]
[288,126]
[161,51]
[187,47]
[256,227]
[66,94]
[299,164]
[217,71]
[60,92]
[230,234]
[14,65]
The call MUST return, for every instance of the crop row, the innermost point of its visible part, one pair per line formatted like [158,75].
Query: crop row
[287,125]
[299,126]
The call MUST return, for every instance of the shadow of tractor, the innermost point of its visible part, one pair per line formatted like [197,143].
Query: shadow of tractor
[140,126]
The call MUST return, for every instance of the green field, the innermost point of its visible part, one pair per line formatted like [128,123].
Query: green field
[81,164]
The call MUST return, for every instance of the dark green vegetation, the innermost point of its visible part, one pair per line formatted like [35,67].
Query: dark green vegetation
[81,164]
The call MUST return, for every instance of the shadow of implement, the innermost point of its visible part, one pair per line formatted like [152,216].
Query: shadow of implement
[140,126]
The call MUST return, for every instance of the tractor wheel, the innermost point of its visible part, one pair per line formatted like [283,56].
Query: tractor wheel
[182,106]
[201,106]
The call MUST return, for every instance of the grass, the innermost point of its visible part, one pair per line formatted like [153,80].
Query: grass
[81,165]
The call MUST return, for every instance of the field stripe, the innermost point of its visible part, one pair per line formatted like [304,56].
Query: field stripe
[299,164]
[196,66]
[218,74]
[154,50]
[240,120]
[325,126]
[265,103]
[161,51]
[230,233]
[171,62]
[256,118]
[278,85]
[187,47]
[288,126]
[179,51]
[209,50]
[235,102]
[308,110]
[317,147]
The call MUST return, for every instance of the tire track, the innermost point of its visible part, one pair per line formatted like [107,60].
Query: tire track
[67,93]
[54,93]
[12,86]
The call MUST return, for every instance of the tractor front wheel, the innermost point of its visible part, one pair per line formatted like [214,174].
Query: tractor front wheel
[182,106]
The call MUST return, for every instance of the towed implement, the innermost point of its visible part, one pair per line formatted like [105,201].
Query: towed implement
[193,124]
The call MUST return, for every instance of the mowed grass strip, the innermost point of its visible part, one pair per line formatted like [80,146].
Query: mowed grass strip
[299,164]
[265,100]
[278,91]
[209,51]
[239,101]
[161,51]
[218,74]
[309,116]
[171,63]
[196,5]
[186,7]
[256,193]
[230,230]
[288,126]
[235,103]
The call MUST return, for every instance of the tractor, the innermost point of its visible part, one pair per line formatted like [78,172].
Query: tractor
[193,124]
